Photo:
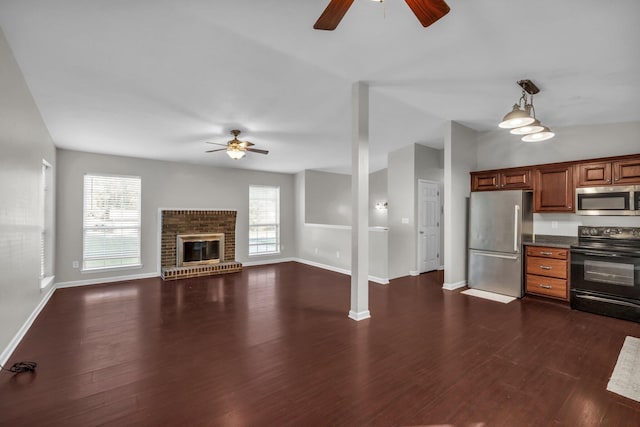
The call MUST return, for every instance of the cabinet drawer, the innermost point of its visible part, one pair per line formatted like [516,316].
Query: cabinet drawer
[546,286]
[547,267]
[542,251]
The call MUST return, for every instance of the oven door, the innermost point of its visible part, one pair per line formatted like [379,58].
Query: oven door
[610,273]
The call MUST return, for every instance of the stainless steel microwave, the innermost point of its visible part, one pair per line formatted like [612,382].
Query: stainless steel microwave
[623,200]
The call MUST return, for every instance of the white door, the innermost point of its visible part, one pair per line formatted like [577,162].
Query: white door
[428,226]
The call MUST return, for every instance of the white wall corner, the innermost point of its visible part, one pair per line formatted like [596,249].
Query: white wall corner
[13,344]
[362,315]
[454,286]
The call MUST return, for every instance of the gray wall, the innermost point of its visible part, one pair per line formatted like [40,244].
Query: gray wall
[570,143]
[24,143]
[378,193]
[459,159]
[328,198]
[165,185]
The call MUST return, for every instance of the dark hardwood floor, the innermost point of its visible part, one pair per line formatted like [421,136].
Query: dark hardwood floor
[273,345]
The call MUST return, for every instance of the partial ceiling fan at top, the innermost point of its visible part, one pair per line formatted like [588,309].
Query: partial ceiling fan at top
[427,12]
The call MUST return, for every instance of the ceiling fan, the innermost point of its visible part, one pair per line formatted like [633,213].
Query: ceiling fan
[427,12]
[235,148]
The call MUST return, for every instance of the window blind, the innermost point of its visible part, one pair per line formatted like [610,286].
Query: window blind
[264,220]
[111,221]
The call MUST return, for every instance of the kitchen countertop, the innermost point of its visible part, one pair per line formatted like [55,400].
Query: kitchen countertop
[551,241]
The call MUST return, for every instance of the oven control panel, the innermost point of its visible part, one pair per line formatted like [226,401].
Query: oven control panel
[627,233]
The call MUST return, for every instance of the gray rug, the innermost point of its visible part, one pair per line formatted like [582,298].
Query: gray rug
[625,379]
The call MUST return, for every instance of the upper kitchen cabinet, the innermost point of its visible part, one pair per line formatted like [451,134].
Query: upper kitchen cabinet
[623,171]
[516,179]
[485,181]
[504,179]
[553,189]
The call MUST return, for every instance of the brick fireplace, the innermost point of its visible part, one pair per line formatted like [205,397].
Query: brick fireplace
[194,223]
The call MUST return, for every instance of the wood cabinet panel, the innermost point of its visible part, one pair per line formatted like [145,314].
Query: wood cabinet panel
[547,271]
[592,174]
[626,171]
[546,286]
[543,251]
[547,267]
[485,181]
[553,189]
[516,179]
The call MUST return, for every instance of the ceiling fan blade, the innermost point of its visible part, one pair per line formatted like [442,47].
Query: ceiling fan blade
[216,143]
[428,11]
[255,150]
[332,15]
[217,149]
[246,144]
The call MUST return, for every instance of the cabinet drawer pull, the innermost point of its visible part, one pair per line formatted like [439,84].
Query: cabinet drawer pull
[546,286]
[546,253]
[545,267]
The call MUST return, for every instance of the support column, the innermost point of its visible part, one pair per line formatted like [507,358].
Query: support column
[360,201]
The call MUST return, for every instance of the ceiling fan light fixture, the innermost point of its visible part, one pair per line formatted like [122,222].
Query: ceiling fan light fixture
[534,127]
[235,153]
[543,135]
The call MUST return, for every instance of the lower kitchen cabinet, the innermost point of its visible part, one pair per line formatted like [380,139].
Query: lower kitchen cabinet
[547,272]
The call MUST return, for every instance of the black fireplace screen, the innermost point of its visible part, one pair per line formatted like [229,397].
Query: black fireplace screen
[201,251]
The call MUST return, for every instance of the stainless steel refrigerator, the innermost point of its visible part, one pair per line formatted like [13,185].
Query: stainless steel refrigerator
[498,222]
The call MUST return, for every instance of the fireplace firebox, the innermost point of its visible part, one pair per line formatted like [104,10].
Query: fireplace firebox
[199,249]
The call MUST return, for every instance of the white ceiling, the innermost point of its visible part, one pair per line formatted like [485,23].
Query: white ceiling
[158,78]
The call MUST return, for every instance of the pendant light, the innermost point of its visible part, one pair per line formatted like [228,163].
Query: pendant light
[522,119]
[236,153]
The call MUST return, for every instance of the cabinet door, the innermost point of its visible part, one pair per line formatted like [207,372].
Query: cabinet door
[484,181]
[626,171]
[516,179]
[553,189]
[592,174]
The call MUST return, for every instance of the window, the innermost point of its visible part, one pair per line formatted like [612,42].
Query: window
[264,220]
[111,221]
[46,225]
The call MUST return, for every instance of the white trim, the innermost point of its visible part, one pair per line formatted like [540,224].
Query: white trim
[441,267]
[375,279]
[362,315]
[267,261]
[46,281]
[378,229]
[11,347]
[112,268]
[338,227]
[414,273]
[102,280]
[454,286]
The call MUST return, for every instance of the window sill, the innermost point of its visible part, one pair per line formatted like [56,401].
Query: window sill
[264,254]
[115,268]
[46,281]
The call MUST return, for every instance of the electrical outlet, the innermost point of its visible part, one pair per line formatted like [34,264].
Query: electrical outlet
[405,220]
[75,264]
[337,254]
[554,224]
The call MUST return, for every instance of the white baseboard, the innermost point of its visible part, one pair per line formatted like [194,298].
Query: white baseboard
[414,273]
[441,267]
[8,351]
[266,261]
[375,279]
[358,316]
[454,286]
[102,280]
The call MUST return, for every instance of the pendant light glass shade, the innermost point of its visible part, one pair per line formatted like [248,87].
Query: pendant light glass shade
[516,118]
[235,153]
[527,129]
[544,135]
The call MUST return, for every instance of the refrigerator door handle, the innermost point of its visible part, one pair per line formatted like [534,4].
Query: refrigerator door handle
[496,255]
[516,217]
